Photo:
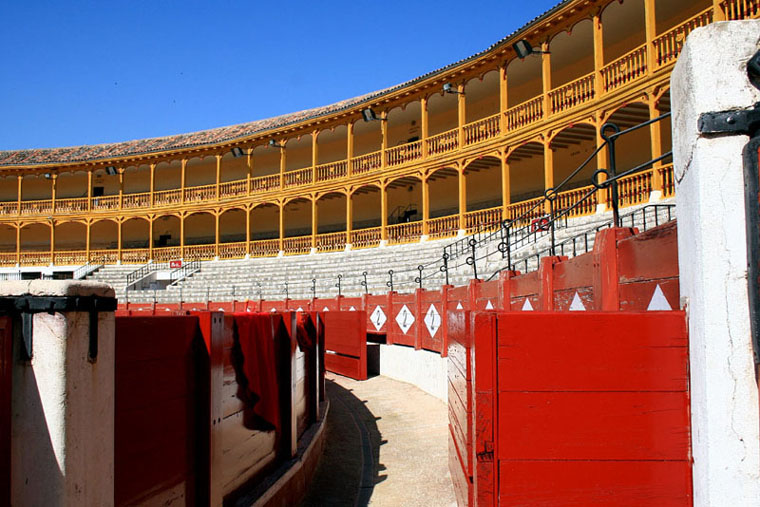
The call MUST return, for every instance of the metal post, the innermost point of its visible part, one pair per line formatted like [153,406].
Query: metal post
[389,283]
[418,279]
[610,140]
[338,284]
[364,283]
[445,266]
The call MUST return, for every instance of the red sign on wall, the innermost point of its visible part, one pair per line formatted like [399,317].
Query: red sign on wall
[175,264]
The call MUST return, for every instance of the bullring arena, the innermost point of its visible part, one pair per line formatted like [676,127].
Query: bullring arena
[527,278]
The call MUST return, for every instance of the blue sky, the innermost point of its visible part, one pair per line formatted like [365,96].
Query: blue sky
[88,72]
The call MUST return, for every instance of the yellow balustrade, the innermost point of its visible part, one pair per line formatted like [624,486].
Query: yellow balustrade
[67,205]
[232,250]
[167,197]
[569,198]
[233,188]
[7,259]
[166,254]
[331,242]
[104,256]
[483,220]
[366,238]
[8,208]
[522,213]
[408,232]
[572,94]
[402,154]
[668,46]
[141,200]
[482,130]
[625,69]
[443,227]
[265,183]
[331,171]
[35,258]
[668,184]
[37,207]
[69,258]
[367,163]
[110,202]
[633,189]
[298,178]
[296,245]
[741,9]
[135,256]
[443,143]
[265,248]
[525,114]
[201,193]
[200,252]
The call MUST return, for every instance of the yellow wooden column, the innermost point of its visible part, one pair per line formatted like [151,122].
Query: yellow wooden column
[248,232]
[282,225]
[20,180]
[152,184]
[216,234]
[18,243]
[506,187]
[52,242]
[89,193]
[462,199]
[548,167]
[718,12]
[218,173]
[118,240]
[503,97]
[182,236]
[461,113]
[121,193]
[546,76]
[383,212]
[314,222]
[249,174]
[87,241]
[601,156]
[384,130]
[182,176]
[314,155]
[656,144]
[598,53]
[349,217]
[425,126]
[283,165]
[350,147]
[150,237]
[650,31]
[425,207]
[53,189]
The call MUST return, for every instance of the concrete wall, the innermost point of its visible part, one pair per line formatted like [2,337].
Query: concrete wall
[424,369]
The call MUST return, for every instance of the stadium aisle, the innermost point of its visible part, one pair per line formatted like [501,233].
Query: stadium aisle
[386,446]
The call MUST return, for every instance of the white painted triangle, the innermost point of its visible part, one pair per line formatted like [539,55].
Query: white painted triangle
[659,302]
[459,306]
[352,309]
[273,310]
[577,304]
[299,309]
[325,309]
[527,307]
[489,306]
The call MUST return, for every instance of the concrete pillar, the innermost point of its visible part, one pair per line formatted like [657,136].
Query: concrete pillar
[62,443]
[710,75]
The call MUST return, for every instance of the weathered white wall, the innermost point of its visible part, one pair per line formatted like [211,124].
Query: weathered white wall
[424,369]
[711,76]
[62,435]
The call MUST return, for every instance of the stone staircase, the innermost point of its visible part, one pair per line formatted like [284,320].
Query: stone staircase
[265,278]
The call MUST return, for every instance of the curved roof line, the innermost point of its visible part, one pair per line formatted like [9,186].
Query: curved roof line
[87,153]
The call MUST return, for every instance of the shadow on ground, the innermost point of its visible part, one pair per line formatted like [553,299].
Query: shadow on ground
[349,467]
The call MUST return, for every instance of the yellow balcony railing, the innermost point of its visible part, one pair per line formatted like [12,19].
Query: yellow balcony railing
[569,198]
[668,46]
[668,184]
[110,256]
[402,154]
[443,227]
[69,257]
[234,250]
[200,252]
[265,183]
[36,207]
[233,189]
[365,238]
[167,253]
[443,143]
[167,197]
[135,256]
[625,69]
[298,178]
[483,220]
[109,202]
[71,205]
[523,212]
[633,189]
[331,171]
[482,130]
[141,200]
[525,114]
[572,94]
[35,258]
[367,163]
[404,233]
[331,242]
[7,259]
[265,248]
[741,9]
[296,245]
[200,193]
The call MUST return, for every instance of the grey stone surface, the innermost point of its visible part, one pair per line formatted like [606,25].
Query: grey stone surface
[55,288]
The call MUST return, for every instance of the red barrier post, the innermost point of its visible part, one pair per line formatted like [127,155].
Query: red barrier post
[546,281]
[606,277]
[485,409]
[505,290]
[445,320]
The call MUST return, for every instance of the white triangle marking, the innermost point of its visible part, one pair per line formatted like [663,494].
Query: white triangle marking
[489,306]
[325,309]
[299,309]
[459,306]
[352,309]
[659,302]
[577,304]
[527,307]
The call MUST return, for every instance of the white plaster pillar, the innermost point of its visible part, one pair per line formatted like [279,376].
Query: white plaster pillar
[62,436]
[710,75]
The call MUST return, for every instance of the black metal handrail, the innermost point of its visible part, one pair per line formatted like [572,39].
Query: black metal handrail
[184,271]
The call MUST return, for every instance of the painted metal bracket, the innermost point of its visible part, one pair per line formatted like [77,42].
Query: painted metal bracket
[27,306]
[732,122]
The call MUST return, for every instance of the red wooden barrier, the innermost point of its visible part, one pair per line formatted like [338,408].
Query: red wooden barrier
[403,320]
[433,314]
[346,343]
[6,389]
[460,405]
[378,312]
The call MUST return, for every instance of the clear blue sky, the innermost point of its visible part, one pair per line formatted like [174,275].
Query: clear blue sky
[86,72]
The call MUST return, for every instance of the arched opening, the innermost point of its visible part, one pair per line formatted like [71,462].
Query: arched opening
[200,171]
[104,235]
[9,188]
[232,226]
[368,137]
[482,96]
[233,168]
[168,175]
[104,184]
[365,206]
[623,28]
[298,153]
[571,147]
[404,124]
[200,229]
[332,144]
[297,218]
[404,200]
[483,178]
[572,57]
[37,187]
[70,185]
[331,213]
[35,238]
[7,238]
[70,236]
[443,113]
[265,222]
[166,231]
[443,185]
[672,13]
[666,136]
[526,172]
[137,179]
[635,147]
[265,160]
[524,80]
[134,233]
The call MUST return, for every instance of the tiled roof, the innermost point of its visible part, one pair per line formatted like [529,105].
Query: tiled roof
[40,156]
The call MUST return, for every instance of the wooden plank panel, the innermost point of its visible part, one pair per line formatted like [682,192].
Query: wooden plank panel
[650,255]
[460,480]
[636,296]
[581,483]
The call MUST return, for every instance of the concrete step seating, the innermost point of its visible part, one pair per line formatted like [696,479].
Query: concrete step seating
[265,277]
